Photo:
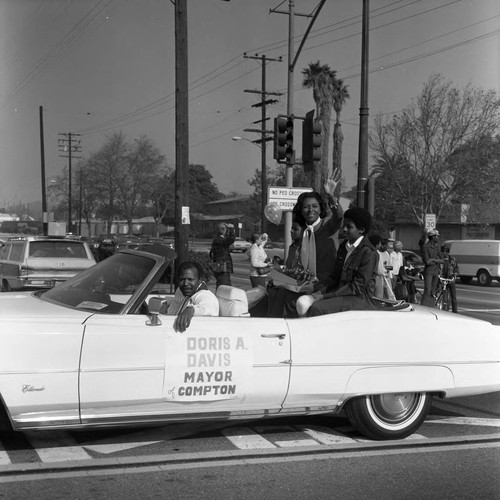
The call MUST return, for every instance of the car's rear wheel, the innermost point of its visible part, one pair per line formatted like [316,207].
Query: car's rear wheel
[6,286]
[389,416]
[484,278]
[466,280]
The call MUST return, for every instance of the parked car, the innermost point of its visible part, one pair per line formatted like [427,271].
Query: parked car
[139,245]
[240,245]
[29,263]
[97,351]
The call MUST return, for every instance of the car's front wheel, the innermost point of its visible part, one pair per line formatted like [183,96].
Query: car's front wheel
[389,416]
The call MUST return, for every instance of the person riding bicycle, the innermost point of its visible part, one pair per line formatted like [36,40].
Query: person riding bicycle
[450,271]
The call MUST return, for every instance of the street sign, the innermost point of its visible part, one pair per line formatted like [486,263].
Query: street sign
[430,221]
[285,197]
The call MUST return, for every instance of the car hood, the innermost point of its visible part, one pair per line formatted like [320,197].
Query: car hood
[26,305]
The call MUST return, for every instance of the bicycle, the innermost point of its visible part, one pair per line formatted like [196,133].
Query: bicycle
[443,297]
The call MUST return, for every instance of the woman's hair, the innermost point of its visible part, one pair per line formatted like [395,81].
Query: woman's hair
[254,237]
[361,217]
[297,209]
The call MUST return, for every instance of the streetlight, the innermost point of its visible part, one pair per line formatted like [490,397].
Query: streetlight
[263,180]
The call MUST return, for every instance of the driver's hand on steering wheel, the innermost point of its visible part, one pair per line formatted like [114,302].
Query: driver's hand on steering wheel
[183,320]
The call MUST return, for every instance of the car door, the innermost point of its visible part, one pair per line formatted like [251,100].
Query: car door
[230,364]
[130,370]
[122,367]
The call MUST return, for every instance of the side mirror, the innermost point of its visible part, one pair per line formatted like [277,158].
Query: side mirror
[154,307]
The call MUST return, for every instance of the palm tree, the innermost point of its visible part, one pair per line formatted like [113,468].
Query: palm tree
[339,98]
[321,79]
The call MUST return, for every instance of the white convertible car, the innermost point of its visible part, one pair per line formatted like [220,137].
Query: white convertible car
[89,353]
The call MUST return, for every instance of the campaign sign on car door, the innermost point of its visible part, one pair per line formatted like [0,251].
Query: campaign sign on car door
[207,368]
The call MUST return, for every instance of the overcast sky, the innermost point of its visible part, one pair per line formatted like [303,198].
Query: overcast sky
[99,66]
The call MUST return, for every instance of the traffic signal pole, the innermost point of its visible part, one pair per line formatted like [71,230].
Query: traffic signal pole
[363,111]
[292,61]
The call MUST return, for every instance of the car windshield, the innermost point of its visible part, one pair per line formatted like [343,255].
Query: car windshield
[59,249]
[96,288]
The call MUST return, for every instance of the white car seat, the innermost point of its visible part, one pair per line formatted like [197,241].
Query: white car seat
[232,301]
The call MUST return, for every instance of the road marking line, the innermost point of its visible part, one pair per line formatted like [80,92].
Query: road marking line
[296,443]
[114,447]
[486,422]
[478,310]
[273,429]
[62,454]
[325,436]
[408,438]
[149,466]
[4,456]
[245,438]
[47,453]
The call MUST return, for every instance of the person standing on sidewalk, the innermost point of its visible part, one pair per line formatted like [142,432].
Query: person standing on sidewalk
[222,263]
[432,258]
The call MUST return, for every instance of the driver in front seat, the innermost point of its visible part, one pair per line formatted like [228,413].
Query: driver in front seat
[192,297]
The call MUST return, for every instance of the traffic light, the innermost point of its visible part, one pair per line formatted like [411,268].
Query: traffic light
[283,139]
[311,141]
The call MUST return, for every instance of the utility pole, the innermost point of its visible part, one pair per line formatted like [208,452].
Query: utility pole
[181,131]
[363,111]
[45,215]
[80,204]
[264,137]
[292,61]
[69,145]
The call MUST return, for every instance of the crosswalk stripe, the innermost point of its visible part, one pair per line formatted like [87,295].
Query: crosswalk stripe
[487,422]
[245,438]
[296,443]
[408,438]
[324,435]
[48,453]
[62,454]
[4,456]
[115,447]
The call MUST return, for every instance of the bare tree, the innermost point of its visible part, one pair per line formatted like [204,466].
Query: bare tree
[417,148]
[138,176]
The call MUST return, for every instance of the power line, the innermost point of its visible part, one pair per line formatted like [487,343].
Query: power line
[109,124]
[426,41]
[69,39]
[384,25]
[99,128]
[403,61]
[315,33]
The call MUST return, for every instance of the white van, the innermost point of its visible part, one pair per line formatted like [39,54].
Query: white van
[477,258]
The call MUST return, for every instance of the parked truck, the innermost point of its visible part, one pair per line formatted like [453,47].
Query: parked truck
[477,259]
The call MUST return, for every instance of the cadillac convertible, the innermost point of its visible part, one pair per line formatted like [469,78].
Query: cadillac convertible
[97,351]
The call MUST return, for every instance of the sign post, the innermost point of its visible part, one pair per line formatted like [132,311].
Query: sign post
[285,197]
[430,222]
